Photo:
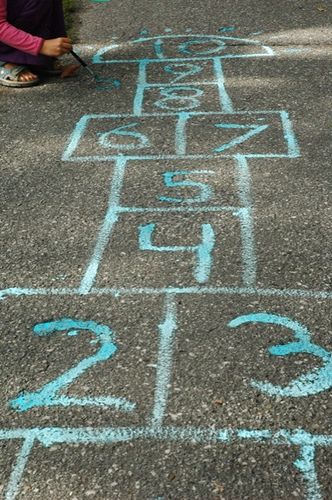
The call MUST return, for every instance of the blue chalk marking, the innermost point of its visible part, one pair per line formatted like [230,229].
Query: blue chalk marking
[92,116]
[296,50]
[186,209]
[48,394]
[192,69]
[268,53]
[49,436]
[180,134]
[75,137]
[113,82]
[290,138]
[243,181]
[73,333]
[17,292]
[195,290]
[248,247]
[311,383]
[106,229]
[144,32]
[205,192]
[185,47]
[246,222]
[158,48]
[108,158]
[141,141]
[203,250]
[226,105]
[255,435]
[227,29]
[210,83]
[306,465]
[141,84]
[253,131]
[196,39]
[167,331]
[170,94]
[18,470]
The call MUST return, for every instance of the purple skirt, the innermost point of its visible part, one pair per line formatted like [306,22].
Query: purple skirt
[43,18]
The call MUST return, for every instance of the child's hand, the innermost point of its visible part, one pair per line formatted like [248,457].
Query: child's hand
[56,47]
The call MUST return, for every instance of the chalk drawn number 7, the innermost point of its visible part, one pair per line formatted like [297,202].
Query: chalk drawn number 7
[48,394]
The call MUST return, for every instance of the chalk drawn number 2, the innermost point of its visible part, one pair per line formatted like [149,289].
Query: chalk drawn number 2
[48,394]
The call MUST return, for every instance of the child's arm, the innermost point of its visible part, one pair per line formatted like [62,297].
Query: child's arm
[30,44]
[15,37]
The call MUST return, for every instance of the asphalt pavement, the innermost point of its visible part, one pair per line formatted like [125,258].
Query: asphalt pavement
[165,257]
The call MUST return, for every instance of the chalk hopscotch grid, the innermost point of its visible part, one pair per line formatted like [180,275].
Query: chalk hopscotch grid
[307,442]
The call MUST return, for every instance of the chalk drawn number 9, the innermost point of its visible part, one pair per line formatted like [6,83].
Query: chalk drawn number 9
[48,394]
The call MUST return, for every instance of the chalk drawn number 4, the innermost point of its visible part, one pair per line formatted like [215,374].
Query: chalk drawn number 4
[48,394]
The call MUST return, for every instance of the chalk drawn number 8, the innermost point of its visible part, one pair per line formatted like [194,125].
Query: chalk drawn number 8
[48,394]
[179,95]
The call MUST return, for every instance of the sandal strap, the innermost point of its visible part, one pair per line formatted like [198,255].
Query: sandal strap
[12,73]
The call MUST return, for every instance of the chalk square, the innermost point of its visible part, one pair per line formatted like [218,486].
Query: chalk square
[180,72]
[182,184]
[225,375]
[110,137]
[160,250]
[56,337]
[152,469]
[266,134]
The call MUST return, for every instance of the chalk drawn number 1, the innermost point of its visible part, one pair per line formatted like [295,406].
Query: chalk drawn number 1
[48,394]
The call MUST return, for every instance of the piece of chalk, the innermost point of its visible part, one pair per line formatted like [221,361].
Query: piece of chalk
[83,63]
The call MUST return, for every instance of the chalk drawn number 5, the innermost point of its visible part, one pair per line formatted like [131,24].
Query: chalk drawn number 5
[48,394]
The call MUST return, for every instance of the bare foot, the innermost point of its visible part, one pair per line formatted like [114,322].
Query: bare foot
[69,70]
[24,76]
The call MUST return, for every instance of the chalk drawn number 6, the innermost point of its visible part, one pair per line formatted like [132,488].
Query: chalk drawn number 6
[48,394]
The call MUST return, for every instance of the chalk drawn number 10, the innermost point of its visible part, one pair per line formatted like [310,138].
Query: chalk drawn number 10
[48,394]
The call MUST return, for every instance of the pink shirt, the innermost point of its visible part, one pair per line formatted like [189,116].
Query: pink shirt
[15,37]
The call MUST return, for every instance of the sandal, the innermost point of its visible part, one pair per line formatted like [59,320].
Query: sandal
[9,77]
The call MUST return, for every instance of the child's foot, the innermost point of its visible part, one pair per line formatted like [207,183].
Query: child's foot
[13,75]
[59,69]
[69,70]
[24,76]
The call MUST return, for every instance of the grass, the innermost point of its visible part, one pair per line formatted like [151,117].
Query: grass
[70,7]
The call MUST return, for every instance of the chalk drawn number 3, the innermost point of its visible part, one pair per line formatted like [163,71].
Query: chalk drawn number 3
[48,394]
[308,384]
